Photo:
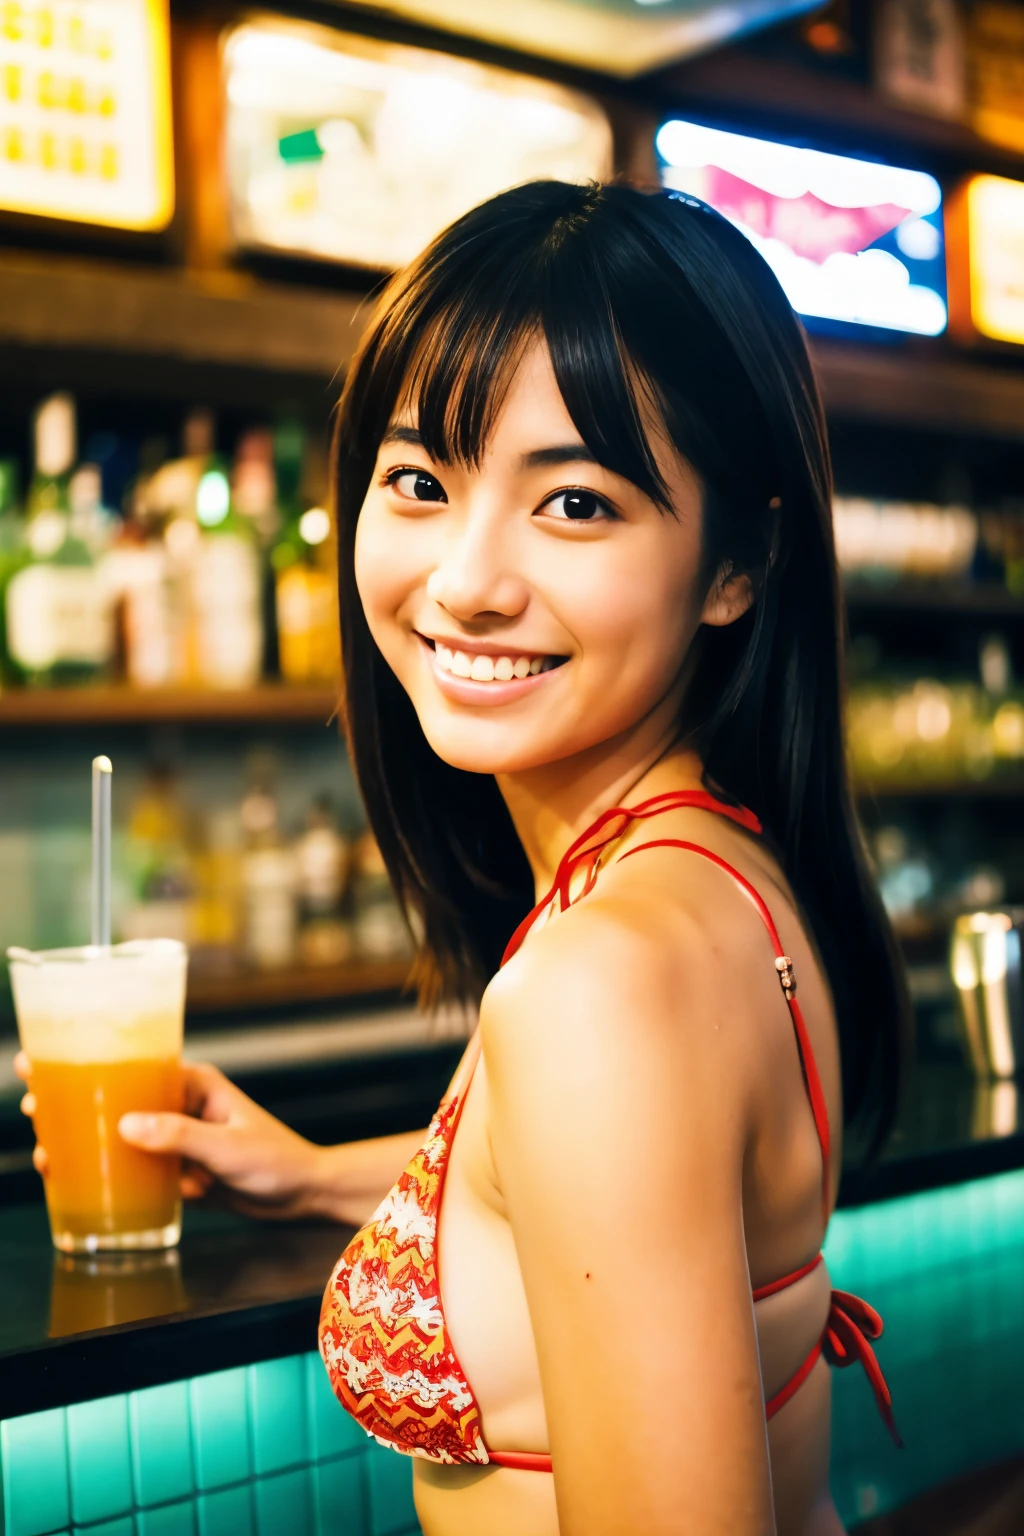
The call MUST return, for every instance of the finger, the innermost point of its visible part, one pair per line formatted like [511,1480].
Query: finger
[192,1187]
[40,1161]
[22,1067]
[198,1139]
[28,1104]
[197,1173]
[208,1093]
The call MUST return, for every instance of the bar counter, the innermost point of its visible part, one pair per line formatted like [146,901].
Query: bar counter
[180,1394]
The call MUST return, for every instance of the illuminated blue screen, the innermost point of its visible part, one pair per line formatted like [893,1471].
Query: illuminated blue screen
[849,240]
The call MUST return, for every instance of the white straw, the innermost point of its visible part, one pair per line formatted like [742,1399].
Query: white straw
[101,771]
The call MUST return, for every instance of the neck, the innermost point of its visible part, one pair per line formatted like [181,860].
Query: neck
[552,804]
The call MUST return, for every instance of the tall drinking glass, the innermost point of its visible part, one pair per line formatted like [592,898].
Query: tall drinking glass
[102,1028]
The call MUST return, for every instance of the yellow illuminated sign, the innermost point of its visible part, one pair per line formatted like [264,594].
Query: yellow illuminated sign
[995,220]
[85,111]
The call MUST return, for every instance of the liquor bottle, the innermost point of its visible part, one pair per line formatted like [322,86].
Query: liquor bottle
[56,446]
[227,617]
[380,929]
[150,600]
[58,612]
[150,568]
[253,483]
[159,860]
[321,861]
[254,497]
[14,552]
[268,883]
[89,521]
[216,917]
[308,639]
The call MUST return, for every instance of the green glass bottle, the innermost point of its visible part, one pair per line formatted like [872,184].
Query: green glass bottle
[227,640]
[59,623]
[14,553]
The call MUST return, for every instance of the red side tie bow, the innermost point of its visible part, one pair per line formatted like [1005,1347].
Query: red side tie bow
[851,1323]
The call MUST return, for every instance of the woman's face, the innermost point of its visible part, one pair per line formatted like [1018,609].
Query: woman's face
[537,605]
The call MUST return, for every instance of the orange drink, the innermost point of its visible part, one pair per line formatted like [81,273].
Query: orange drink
[102,1028]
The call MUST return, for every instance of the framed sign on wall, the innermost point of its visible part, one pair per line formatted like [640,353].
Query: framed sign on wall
[354,150]
[986,259]
[85,111]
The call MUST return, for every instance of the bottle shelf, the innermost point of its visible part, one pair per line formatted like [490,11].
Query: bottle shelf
[942,789]
[938,597]
[130,315]
[114,705]
[239,990]
[204,319]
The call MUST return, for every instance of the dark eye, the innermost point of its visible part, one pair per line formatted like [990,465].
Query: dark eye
[578,507]
[417,485]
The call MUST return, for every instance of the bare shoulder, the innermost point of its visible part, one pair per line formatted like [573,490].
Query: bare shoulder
[631,978]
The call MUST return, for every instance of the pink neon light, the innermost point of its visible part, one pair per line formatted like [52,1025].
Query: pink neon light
[807,225]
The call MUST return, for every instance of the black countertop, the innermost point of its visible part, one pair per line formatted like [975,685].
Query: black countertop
[239,1291]
[236,1291]
[951,1128]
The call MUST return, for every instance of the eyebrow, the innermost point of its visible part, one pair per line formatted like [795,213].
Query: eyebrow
[537,458]
[397,434]
[559,453]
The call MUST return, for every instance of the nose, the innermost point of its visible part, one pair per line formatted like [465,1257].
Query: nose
[476,576]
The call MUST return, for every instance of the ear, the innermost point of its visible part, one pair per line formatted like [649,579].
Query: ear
[730,596]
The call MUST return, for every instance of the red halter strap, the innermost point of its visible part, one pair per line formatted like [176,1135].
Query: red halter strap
[585,853]
[808,1065]
[610,825]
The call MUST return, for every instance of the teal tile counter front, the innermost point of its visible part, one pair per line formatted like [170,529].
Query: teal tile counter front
[945,1268]
[264,1450]
[261,1450]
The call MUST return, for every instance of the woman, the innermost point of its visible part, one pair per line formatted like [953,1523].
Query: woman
[586,565]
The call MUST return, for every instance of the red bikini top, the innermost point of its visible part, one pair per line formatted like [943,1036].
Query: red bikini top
[383,1334]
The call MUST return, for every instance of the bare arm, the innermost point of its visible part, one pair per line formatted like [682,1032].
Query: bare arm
[353,1178]
[234,1149]
[618,1121]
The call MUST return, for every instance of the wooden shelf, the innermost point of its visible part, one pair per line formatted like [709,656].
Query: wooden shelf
[235,321]
[113,705]
[939,597]
[272,989]
[920,386]
[226,318]
[943,789]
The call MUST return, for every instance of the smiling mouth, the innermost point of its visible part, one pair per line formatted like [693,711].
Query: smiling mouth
[480,668]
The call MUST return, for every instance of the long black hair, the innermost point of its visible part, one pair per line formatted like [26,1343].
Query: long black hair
[641,298]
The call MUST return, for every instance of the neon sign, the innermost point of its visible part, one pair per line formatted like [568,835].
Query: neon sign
[849,240]
[992,209]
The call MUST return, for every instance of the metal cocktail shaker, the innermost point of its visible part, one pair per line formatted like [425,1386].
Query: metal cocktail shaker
[985,959]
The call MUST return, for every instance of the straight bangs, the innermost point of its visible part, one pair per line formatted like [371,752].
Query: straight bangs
[448,366]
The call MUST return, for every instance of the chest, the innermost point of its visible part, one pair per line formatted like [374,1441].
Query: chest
[482,1288]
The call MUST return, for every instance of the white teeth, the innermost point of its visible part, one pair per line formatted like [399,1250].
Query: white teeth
[487,669]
